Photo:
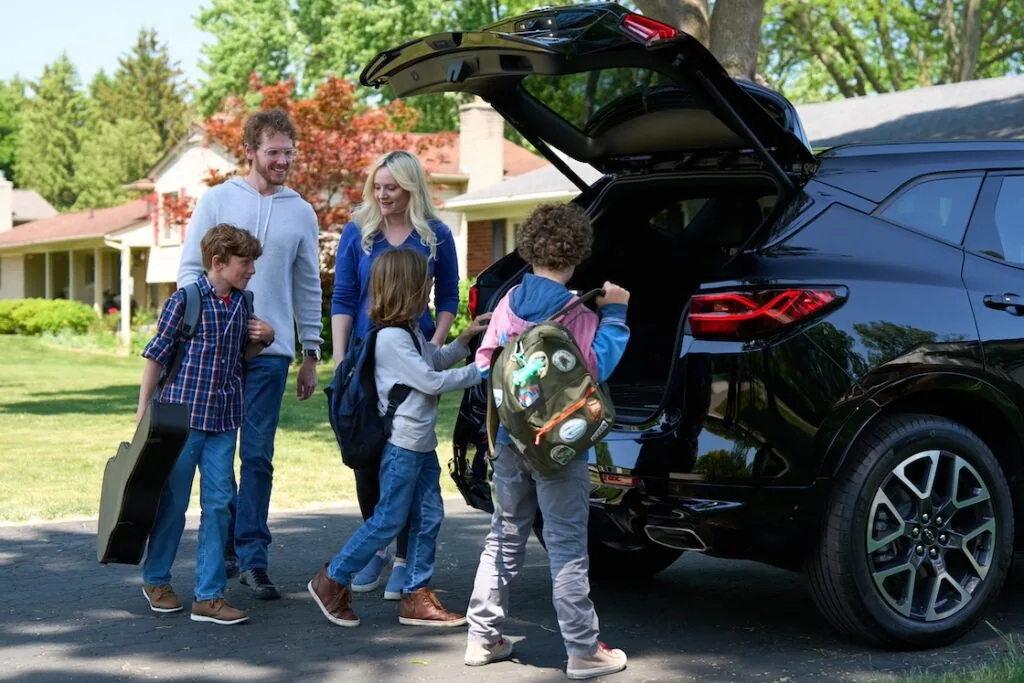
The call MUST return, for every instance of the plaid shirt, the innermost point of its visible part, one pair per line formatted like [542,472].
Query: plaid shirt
[210,379]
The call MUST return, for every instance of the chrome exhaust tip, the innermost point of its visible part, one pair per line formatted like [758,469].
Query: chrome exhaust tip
[675,537]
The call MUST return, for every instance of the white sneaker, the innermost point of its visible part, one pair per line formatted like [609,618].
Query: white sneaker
[478,654]
[603,662]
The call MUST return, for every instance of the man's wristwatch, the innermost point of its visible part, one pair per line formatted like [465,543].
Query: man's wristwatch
[311,353]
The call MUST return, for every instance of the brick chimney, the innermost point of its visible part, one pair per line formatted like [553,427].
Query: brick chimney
[481,145]
[6,204]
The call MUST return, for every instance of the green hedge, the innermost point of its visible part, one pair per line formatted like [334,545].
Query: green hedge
[37,316]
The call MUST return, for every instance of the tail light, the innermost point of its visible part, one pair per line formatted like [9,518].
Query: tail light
[473,300]
[647,30]
[745,315]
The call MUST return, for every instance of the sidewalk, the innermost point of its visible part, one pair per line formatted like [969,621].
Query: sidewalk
[64,617]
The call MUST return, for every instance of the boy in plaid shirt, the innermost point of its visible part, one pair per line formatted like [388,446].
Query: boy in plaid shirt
[210,382]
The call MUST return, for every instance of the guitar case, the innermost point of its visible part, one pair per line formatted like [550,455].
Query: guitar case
[134,480]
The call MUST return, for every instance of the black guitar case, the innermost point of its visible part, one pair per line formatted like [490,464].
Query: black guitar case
[133,481]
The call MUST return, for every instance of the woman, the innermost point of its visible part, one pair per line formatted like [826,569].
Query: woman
[396,212]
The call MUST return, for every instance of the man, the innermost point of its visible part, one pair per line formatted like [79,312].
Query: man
[286,292]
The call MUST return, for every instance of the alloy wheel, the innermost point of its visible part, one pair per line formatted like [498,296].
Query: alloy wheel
[931,535]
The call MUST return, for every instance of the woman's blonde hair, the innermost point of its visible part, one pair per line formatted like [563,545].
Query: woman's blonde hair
[410,176]
[399,287]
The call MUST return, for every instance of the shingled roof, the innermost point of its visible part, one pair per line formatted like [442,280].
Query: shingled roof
[992,108]
[80,225]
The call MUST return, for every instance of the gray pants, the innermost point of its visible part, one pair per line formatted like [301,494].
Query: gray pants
[564,502]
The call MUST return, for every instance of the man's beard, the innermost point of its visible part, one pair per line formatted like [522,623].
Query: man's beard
[269,175]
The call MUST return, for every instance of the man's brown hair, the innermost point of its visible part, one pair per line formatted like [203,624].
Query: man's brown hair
[555,236]
[399,287]
[270,122]
[225,240]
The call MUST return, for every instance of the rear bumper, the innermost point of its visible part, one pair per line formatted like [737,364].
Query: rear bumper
[775,525]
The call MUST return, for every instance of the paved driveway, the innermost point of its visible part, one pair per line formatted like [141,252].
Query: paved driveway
[65,617]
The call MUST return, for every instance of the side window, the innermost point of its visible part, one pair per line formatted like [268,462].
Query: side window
[939,207]
[1009,219]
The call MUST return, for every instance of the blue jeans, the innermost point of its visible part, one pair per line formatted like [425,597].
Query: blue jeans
[214,454]
[410,489]
[264,389]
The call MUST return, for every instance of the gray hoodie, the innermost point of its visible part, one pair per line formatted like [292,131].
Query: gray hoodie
[286,287]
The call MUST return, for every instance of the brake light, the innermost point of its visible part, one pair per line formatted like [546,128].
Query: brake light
[473,298]
[745,315]
[647,30]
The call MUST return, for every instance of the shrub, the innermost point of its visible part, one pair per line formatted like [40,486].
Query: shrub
[36,316]
[462,319]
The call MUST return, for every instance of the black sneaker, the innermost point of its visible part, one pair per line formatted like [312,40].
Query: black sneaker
[260,585]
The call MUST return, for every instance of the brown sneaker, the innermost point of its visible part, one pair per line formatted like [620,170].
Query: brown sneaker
[217,611]
[334,600]
[161,598]
[422,608]
[602,663]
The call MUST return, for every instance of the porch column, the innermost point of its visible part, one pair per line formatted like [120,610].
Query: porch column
[47,276]
[126,294]
[97,280]
[72,294]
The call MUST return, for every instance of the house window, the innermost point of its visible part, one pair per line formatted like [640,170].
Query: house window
[498,239]
[165,230]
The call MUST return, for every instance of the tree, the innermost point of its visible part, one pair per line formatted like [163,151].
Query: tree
[111,155]
[147,86]
[249,36]
[337,142]
[12,95]
[731,30]
[308,40]
[49,141]
[841,48]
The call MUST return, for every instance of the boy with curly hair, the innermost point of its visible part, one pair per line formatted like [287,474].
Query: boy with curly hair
[554,239]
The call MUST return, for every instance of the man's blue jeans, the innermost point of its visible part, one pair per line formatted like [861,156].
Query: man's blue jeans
[214,454]
[265,383]
[410,489]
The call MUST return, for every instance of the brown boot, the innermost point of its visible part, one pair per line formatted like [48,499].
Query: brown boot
[422,608]
[334,600]
[217,611]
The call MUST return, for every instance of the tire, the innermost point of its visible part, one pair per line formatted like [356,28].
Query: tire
[619,561]
[883,595]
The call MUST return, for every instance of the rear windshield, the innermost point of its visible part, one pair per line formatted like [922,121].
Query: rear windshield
[582,98]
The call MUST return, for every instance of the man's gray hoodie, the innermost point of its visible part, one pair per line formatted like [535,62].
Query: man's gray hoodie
[286,287]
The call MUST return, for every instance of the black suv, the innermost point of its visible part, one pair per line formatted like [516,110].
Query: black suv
[826,367]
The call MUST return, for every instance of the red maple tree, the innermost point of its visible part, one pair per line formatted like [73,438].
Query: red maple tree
[338,140]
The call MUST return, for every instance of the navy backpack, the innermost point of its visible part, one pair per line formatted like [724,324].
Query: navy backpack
[352,404]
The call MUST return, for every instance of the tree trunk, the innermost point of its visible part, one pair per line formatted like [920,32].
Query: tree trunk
[690,16]
[736,35]
[970,40]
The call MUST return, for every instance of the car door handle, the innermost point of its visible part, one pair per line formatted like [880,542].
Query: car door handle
[1012,303]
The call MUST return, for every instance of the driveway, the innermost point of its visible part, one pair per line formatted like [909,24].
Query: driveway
[65,617]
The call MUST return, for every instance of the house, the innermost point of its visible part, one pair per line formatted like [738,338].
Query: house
[130,251]
[982,109]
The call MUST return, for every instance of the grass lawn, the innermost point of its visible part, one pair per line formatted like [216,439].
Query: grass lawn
[63,413]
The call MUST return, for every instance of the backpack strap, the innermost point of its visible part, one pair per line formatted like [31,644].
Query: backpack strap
[247,302]
[186,329]
[399,392]
[589,296]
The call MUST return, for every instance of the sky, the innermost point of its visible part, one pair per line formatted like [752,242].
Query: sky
[94,33]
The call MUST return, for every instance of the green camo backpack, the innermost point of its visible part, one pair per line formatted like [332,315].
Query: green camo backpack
[541,391]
